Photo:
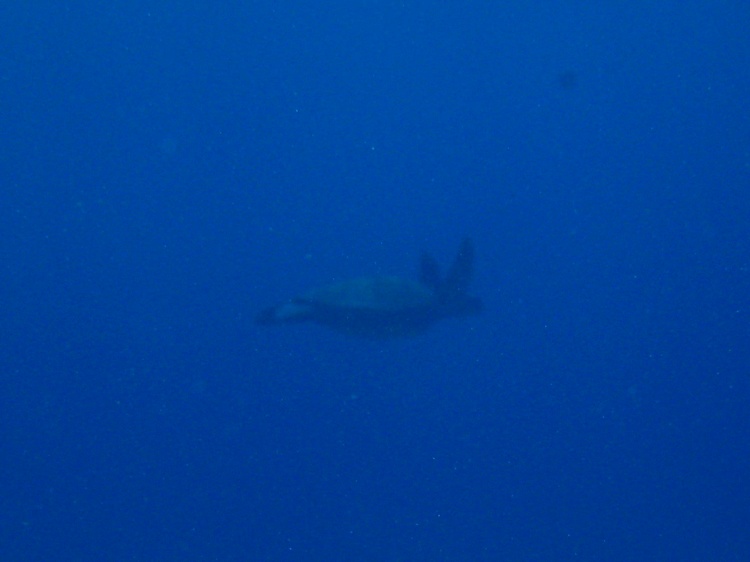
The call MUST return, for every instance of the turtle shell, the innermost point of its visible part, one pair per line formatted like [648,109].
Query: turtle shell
[371,294]
[374,307]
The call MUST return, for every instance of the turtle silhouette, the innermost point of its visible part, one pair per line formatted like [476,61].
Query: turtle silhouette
[385,307]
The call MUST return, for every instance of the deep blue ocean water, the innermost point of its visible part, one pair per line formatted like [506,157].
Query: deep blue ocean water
[170,168]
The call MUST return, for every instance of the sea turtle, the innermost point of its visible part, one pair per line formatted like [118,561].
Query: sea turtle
[382,307]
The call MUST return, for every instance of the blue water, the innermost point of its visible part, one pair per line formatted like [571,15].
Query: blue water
[171,168]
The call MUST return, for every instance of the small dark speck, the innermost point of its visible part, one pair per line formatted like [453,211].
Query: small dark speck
[568,80]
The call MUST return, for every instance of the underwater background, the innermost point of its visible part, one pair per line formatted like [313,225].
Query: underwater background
[171,168]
